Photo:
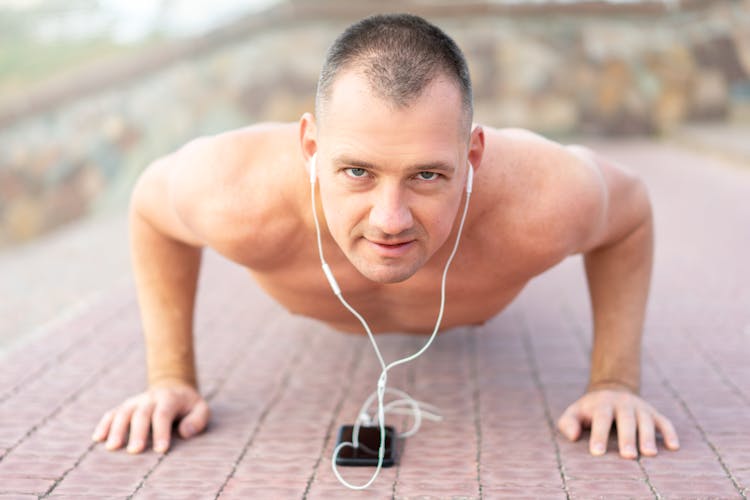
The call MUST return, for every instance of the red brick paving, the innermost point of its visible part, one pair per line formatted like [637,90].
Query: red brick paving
[279,385]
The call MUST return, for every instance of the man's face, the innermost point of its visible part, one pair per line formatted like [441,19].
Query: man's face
[391,179]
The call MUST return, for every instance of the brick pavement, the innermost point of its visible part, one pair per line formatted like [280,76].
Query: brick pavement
[279,385]
[52,278]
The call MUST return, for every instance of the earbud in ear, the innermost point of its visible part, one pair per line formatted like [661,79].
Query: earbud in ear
[470,178]
[312,168]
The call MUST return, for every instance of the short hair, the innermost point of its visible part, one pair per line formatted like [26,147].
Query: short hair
[399,55]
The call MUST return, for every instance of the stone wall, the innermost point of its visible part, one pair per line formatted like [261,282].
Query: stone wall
[560,70]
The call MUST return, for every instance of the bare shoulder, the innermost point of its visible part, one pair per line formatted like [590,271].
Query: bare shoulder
[228,187]
[552,197]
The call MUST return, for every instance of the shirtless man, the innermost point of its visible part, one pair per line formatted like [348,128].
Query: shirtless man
[393,139]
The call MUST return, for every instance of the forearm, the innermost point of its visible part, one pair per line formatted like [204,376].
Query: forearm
[619,276]
[166,275]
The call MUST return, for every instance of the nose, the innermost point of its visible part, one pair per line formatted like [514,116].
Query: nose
[390,211]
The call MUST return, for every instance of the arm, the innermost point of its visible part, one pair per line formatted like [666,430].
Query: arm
[166,260]
[618,256]
[166,257]
[623,256]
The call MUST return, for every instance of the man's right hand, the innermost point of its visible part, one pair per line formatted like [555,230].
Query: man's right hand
[154,409]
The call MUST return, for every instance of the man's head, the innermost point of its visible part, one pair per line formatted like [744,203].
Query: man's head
[399,55]
[393,140]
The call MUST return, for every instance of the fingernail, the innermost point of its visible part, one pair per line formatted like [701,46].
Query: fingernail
[160,446]
[598,449]
[111,445]
[135,446]
[629,451]
[189,430]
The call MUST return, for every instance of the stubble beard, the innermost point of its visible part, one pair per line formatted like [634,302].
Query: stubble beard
[386,271]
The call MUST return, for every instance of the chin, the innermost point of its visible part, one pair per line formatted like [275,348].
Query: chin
[388,278]
[386,274]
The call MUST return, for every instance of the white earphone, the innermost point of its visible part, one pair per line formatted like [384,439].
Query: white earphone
[313,161]
[416,407]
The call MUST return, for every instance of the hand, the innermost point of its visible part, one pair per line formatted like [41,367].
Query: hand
[158,408]
[597,409]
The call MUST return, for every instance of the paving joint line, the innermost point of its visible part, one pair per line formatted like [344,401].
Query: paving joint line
[675,394]
[239,353]
[148,474]
[93,444]
[474,371]
[531,360]
[77,462]
[355,363]
[576,328]
[292,364]
[60,357]
[411,383]
[250,341]
[65,402]
[717,368]
[650,485]
[65,474]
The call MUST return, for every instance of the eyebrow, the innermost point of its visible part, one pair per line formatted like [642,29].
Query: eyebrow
[354,162]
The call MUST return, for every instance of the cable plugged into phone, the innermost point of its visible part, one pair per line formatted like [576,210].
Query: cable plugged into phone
[359,444]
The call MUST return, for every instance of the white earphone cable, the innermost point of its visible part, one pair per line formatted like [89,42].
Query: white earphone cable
[394,406]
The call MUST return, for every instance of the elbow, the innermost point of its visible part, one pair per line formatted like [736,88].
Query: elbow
[639,217]
[137,194]
[641,201]
[622,208]
[143,190]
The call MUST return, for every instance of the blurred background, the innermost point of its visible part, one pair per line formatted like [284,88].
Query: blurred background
[92,91]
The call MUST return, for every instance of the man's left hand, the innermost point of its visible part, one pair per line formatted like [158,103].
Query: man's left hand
[598,408]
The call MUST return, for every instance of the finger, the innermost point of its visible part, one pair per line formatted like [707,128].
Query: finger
[667,430]
[102,428]
[161,420]
[625,418]
[569,423]
[195,421]
[646,438]
[139,427]
[119,427]
[600,426]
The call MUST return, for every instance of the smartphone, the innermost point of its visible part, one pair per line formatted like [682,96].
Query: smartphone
[369,443]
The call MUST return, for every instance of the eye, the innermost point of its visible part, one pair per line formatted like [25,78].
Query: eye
[356,172]
[428,176]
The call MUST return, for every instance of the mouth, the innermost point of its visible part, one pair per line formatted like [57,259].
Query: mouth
[391,249]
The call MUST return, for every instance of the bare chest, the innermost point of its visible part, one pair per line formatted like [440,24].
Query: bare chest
[478,287]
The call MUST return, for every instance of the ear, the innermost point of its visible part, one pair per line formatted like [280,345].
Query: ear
[476,146]
[308,138]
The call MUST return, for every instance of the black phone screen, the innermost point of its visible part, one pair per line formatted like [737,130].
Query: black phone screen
[369,443]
